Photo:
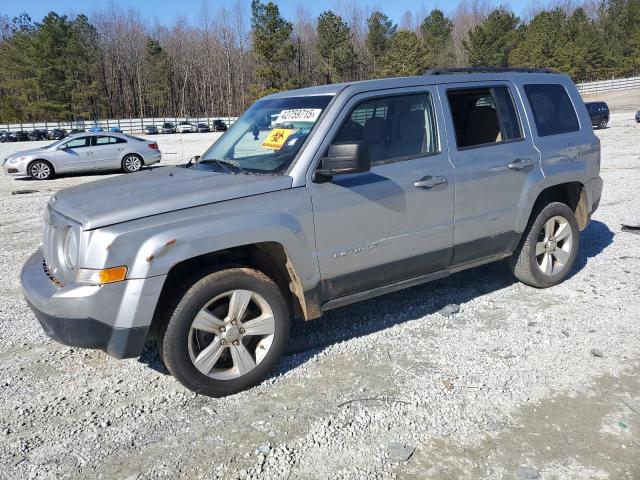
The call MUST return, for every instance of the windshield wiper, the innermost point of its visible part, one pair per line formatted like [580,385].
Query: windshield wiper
[225,164]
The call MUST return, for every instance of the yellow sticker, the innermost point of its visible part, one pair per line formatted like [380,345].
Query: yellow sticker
[277,137]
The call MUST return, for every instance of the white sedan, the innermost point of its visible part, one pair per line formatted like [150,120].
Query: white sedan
[186,127]
[84,152]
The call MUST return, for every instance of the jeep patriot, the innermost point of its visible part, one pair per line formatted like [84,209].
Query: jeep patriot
[314,199]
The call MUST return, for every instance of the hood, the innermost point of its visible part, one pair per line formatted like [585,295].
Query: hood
[25,153]
[150,192]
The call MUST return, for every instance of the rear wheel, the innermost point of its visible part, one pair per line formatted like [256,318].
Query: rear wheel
[548,248]
[603,123]
[132,163]
[226,333]
[40,170]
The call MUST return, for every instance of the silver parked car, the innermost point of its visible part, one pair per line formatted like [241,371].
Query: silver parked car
[315,199]
[84,152]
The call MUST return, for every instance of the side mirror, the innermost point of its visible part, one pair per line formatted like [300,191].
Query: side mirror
[344,158]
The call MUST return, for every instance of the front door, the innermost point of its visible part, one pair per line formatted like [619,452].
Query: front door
[395,222]
[74,155]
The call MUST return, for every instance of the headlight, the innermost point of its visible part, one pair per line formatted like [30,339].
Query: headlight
[70,248]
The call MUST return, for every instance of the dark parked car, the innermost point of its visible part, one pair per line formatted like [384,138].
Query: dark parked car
[76,130]
[57,134]
[638,116]
[599,113]
[219,126]
[20,136]
[6,137]
[150,129]
[38,134]
[168,128]
[203,128]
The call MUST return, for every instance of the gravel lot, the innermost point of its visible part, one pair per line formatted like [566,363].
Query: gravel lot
[520,383]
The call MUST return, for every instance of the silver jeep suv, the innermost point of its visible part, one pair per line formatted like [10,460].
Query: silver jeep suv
[314,199]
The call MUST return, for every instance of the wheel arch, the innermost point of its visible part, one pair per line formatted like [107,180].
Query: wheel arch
[573,194]
[269,258]
[48,162]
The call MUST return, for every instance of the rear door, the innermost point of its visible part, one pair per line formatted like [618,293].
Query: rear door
[107,151]
[494,159]
[395,222]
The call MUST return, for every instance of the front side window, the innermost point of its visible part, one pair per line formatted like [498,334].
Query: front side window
[77,142]
[552,109]
[266,138]
[483,116]
[396,128]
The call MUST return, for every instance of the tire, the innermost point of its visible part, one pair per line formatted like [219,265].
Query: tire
[40,170]
[132,163]
[555,258]
[602,124]
[201,331]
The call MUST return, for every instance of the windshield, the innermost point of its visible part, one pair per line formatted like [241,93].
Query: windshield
[266,138]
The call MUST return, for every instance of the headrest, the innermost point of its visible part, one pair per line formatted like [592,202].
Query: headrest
[374,130]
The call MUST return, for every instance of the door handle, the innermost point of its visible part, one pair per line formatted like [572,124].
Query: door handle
[520,163]
[89,153]
[429,182]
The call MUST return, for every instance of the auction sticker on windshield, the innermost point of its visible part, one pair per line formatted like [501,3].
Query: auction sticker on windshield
[298,115]
[277,137]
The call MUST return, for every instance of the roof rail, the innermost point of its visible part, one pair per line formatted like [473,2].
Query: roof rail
[446,71]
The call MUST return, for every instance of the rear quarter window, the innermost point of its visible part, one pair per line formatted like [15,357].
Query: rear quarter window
[552,109]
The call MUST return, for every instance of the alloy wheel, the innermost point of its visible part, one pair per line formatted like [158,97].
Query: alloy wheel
[132,163]
[40,170]
[231,334]
[555,242]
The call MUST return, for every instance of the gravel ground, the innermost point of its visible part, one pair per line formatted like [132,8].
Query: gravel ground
[520,383]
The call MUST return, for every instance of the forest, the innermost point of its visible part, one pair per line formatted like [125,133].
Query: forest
[114,63]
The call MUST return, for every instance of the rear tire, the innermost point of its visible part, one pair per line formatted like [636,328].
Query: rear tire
[602,124]
[40,170]
[226,333]
[132,163]
[548,248]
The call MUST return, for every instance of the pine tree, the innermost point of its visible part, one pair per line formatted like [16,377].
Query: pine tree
[272,45]
[542,42]
[490,43]
[379,34]
[436,32]
[334,46]
[406,56]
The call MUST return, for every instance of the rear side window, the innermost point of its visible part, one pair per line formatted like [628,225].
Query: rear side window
[396,128]
[483,116]
[552,109]
[105,140]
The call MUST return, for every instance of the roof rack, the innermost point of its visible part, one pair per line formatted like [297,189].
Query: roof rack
[446,71]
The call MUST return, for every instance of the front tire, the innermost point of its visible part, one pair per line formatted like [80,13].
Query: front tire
[132,163]
[548,249]
[40,170]
[226,333]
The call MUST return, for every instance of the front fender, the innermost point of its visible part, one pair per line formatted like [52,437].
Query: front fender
[151,246]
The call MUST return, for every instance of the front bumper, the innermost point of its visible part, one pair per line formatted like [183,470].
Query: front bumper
[114,318]
[16,169]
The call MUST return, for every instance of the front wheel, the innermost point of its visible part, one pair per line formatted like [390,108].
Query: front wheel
[132,163]
[40,170]
[226,333]
[548,248]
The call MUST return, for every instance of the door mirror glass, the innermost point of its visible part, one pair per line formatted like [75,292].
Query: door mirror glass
[343,158]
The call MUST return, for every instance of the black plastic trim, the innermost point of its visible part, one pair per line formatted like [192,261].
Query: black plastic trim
[91,333]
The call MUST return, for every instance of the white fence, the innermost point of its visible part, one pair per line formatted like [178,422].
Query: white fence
[609,85]
[127,125]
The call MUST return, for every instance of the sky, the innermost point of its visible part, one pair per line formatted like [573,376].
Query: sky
[165,11]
